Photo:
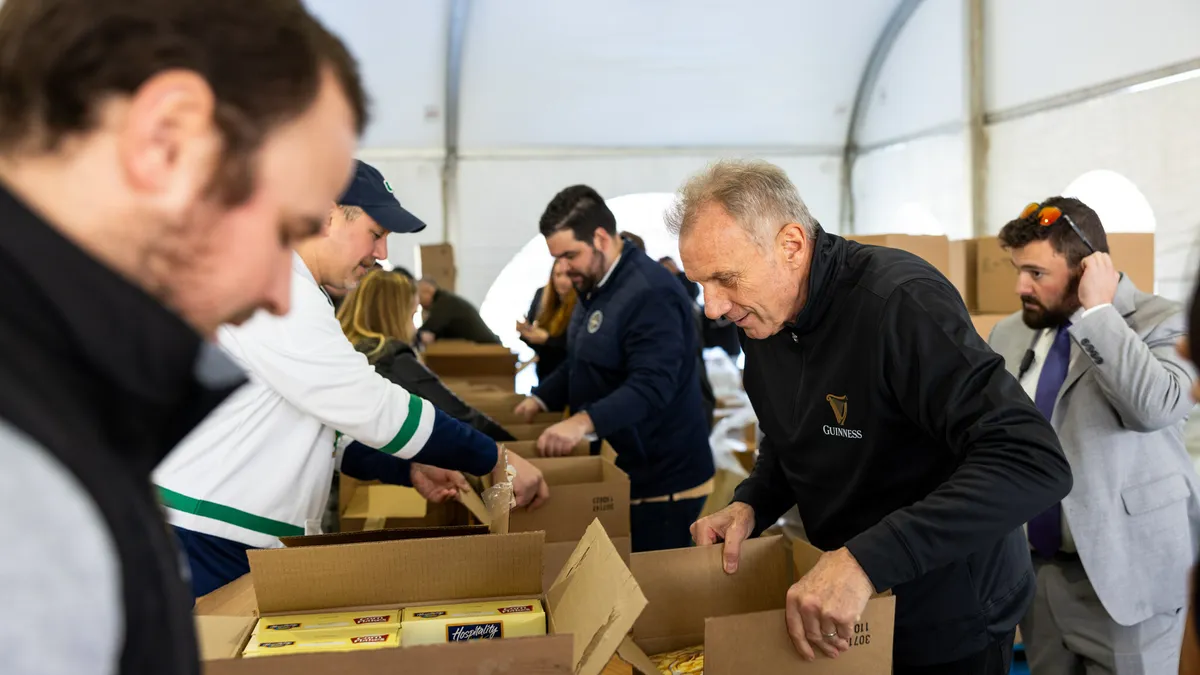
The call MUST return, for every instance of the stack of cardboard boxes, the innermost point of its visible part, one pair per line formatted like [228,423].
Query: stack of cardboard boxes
[983,272]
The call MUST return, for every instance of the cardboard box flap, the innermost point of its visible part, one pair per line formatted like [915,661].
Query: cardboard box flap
[634,656]
[394,534]
[222,637]
[759,643]
[235,598]
[686,585]
[385,501]
[596,599]
[397,572]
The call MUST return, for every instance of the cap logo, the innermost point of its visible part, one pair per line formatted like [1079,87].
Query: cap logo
[388,186]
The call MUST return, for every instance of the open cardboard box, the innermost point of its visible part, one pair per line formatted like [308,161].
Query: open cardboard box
[370,505]
[740,617]
[481,364]
[527,432]
[528,449]
[582,489]
[590,607]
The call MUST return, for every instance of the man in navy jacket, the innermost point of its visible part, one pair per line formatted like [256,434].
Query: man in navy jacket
[632,375]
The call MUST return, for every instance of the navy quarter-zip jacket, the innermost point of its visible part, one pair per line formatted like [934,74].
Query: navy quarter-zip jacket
[632,365]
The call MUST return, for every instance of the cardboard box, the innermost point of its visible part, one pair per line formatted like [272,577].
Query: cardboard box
[935,250]
[370,505]
[233,599]
[507,417]
[582,489]
[984,323]
[488,365]
[995,279]
[591,606]
[996,285]
[740,618]
[528,449]
[527,432]
[964,258]
[437,263]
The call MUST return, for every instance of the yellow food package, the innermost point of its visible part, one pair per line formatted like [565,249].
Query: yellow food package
[689,661]
[379,620]
[273,644]
[473,621]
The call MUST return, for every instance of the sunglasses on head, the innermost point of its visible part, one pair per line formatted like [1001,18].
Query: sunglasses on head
[1049,215]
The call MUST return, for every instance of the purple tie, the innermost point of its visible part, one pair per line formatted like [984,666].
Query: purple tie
[1045,530]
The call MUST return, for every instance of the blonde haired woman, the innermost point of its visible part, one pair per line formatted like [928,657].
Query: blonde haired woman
[548,320]
[377,318]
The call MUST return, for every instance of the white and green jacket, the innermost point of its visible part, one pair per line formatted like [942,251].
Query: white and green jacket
[260,466]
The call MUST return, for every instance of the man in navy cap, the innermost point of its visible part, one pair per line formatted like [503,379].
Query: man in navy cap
[259,467]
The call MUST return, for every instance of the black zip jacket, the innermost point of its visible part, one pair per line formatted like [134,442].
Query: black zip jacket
[900,435]
[105,381]
[399,363]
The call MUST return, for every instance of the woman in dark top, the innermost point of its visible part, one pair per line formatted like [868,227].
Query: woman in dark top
[545,328]
[377,317]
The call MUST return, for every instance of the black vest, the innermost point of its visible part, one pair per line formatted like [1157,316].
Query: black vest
[104,378]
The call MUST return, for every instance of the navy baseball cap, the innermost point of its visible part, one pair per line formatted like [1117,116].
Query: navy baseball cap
[370,192]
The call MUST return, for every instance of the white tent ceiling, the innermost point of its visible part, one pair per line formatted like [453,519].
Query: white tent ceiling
[619,73]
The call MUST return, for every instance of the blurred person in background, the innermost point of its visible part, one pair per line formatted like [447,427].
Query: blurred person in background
[913,456]
[545,327]
[158,160]
[1098,357]
[633,371]
[447,316]
[377,318]
[1189,347]
[260,467]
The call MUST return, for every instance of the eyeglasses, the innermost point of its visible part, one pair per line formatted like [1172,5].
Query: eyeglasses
[1049,215]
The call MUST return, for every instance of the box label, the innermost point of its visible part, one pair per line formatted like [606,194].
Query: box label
[475,631]
[602,504]
[862,635]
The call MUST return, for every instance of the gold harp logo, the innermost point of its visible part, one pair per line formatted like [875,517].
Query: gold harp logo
[839,405]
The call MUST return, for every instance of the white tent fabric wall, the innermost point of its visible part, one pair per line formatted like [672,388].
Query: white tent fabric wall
[625,95]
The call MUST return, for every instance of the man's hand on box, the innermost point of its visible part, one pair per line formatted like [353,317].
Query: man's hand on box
[529,488]
[528,409]
[437,485]
[731,525]
[560,440]
[824,605]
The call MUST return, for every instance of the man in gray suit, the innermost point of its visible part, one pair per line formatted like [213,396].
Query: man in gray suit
[1098,357]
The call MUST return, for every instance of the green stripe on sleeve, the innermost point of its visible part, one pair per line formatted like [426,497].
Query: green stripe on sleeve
[227,514]
[408,429]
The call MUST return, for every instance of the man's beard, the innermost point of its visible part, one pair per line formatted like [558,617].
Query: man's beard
[1042,317]
[586,283]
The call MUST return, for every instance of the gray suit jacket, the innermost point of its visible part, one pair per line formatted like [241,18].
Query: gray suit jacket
[1134,510]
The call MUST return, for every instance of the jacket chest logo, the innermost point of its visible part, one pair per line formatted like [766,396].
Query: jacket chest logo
[594,321]
[841,408]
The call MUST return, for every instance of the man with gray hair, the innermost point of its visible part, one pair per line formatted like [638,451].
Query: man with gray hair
[912,454]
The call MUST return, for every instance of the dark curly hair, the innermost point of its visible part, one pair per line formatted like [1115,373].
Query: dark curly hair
[1021,232]
[580,209]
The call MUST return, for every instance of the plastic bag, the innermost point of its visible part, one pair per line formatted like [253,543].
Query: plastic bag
[500,499]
